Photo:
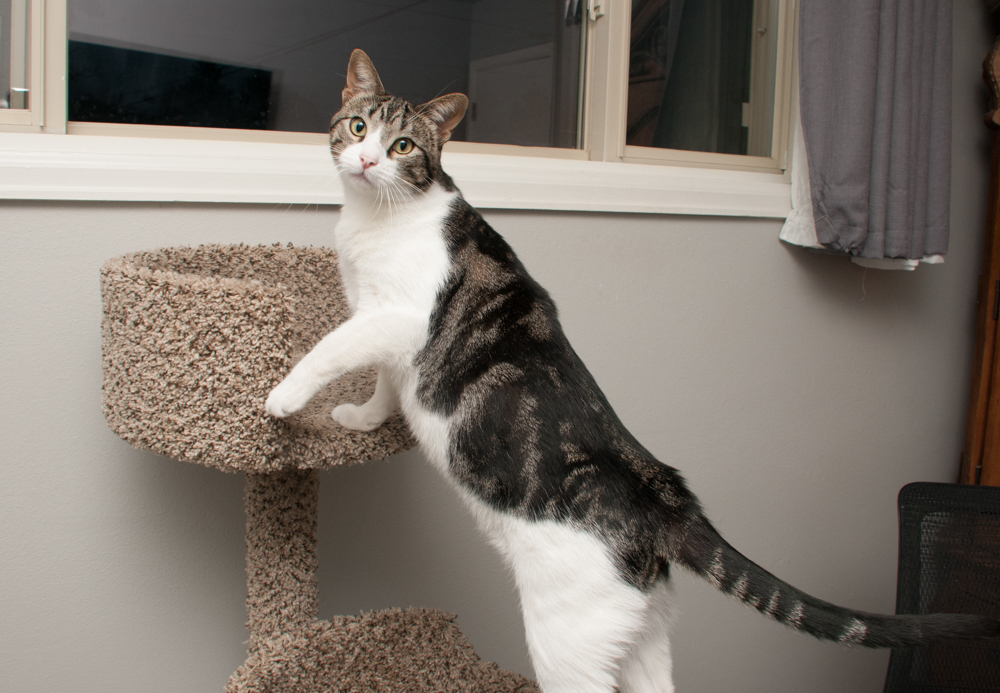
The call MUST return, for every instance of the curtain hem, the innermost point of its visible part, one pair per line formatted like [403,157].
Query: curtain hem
[800,224]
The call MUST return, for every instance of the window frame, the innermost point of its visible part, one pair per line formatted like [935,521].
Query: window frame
[607,98]
[108,162]
[33,117]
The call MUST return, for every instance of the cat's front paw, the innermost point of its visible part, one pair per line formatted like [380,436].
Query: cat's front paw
[288,397]
[357,418]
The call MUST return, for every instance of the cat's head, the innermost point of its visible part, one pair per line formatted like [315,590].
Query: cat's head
[382,143]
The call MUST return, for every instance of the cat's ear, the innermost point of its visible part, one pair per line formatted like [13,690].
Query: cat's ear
[446,112]
[362,77]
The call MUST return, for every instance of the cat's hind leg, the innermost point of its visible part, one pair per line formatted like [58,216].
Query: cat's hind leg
[648,666]
[580,617]
[372,413]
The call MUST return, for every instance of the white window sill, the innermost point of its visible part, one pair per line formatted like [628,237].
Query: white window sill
[83,167]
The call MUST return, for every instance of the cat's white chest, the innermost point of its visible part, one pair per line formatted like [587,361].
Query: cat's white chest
[401,262]
[394,257]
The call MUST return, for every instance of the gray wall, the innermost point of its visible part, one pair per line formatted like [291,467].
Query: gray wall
[797,392]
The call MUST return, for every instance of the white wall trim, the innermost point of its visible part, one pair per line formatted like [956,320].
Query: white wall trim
[102,168]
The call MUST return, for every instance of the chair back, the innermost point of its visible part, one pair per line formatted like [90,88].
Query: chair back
[949,562]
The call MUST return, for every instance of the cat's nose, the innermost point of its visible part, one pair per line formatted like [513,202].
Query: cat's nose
[367,161]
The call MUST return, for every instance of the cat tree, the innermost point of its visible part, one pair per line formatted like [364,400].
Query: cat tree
[194,339]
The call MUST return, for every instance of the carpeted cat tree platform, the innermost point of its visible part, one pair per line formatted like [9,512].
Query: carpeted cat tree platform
[194,339]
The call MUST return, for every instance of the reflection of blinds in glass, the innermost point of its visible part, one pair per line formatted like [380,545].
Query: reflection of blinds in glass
[4,55]
[14,62]
[689,74]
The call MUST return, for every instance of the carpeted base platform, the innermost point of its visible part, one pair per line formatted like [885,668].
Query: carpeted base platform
[390,651]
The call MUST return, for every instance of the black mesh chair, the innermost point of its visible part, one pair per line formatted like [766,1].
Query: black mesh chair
[949,561]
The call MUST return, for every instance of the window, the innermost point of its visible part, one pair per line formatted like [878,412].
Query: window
[598,85]
[708,83]
[701,75]
[187,62]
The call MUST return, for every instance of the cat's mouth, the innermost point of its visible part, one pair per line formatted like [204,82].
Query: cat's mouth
[365,177]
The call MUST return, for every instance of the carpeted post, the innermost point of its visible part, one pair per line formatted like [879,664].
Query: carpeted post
[282,590]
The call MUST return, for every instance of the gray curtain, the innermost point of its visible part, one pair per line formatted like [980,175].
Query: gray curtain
[875,100]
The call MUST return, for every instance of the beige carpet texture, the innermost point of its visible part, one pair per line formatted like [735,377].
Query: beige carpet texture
[390,651]
[193,341]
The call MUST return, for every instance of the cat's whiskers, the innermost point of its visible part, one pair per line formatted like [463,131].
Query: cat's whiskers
[392,200]
[339,170]
[377,199]
[393,190]
[325,177]
[403,181]
[404,196]
[396,184]
[384,198]
[388,200]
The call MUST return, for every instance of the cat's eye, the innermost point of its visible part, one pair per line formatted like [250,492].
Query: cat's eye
[402,146]
[358,127]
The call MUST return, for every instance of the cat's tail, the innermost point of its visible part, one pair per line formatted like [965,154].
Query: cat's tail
[705,552]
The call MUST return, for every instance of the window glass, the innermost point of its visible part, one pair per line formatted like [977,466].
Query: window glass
[279,64]
[702,75]
[14,54]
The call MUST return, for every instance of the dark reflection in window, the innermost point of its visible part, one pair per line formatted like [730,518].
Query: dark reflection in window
[690,74]
[119,85]
[279,64]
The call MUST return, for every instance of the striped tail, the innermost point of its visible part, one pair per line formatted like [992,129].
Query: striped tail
[706,553]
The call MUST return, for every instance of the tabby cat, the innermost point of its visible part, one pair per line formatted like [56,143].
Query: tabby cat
[469,346]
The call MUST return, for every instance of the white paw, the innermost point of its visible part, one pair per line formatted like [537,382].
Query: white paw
[357,418]
[288,397]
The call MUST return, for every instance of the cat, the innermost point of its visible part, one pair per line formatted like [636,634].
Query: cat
[469,347]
